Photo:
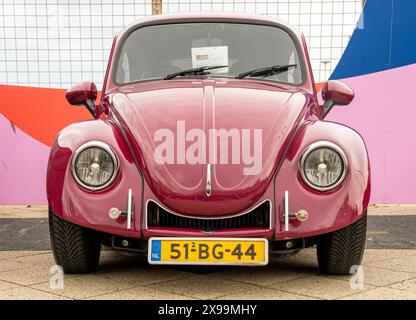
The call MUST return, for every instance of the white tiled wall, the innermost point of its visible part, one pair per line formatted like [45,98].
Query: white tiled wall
[57,43]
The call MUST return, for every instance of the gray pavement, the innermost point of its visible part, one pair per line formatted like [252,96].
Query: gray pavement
[389,268]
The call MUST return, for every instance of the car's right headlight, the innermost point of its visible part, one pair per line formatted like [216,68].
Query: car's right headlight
[94,165]
[323,166]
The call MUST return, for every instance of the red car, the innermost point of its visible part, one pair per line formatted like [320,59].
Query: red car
[208,146]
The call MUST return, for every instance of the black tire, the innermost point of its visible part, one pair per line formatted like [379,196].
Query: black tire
[75,249]
[340,250]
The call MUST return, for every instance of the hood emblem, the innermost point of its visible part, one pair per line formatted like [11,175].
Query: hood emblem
[208,189]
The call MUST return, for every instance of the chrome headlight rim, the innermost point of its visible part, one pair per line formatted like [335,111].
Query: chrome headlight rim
[103,146]
[318,145]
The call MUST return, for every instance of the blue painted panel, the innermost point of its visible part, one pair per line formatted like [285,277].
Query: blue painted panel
[387,39]
[403,49]
[369,48]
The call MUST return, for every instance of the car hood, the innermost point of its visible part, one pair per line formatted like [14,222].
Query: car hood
[160,112]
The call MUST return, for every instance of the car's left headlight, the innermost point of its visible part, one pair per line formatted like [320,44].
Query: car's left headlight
[94,165]
[323,166]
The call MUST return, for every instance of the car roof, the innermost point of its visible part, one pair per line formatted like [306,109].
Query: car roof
[182,17]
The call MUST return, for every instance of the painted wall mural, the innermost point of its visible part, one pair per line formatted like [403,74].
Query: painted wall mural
[30,119]
[379,64]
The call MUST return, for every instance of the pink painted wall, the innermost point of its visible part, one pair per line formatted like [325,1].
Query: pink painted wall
[23,162]
[383,111]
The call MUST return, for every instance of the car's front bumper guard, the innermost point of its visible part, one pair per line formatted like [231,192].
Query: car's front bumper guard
[115,213]
[301,215]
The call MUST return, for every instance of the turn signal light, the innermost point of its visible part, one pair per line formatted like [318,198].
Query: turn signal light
[302,215]
[114,213]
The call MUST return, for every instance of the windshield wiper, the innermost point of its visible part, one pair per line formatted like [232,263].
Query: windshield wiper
[268,71]
[195,71]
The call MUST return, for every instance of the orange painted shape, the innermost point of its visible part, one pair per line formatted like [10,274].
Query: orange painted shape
[319,86]
[39,112]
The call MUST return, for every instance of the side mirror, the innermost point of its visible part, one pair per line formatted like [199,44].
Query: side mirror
[85,94]
[336,93]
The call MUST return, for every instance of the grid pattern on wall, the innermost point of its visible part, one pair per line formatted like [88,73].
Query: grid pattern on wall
[57,43]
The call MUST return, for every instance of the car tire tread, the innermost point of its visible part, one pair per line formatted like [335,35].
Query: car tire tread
[339,251]
[75,249]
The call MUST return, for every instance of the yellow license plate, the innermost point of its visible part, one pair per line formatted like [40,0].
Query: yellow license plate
[208,251]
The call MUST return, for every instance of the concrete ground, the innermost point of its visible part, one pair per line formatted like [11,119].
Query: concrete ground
[388,270]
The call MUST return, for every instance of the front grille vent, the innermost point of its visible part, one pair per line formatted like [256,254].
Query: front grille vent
[258,218]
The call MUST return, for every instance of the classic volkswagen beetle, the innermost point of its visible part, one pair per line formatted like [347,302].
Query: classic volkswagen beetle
[208,146]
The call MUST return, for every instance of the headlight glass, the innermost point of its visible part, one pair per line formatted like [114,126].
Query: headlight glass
[323,166]
[95,166]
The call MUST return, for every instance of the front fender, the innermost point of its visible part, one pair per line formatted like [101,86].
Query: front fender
[87,208]
[331,210]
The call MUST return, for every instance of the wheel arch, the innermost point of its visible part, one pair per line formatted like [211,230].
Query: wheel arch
[68,199]
[328,210]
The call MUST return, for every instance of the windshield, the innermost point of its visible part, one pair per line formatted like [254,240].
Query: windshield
[153,52]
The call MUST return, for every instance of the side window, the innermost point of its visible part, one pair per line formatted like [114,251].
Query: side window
[291,77]
[124,69]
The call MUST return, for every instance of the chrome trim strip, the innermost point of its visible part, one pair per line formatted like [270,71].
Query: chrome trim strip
[129,208]
[314,146]
[208,186]
[106,148]
[211,218]
[266,251]
[286,213]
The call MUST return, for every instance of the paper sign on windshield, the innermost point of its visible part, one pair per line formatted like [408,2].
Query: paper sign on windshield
[210,56]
